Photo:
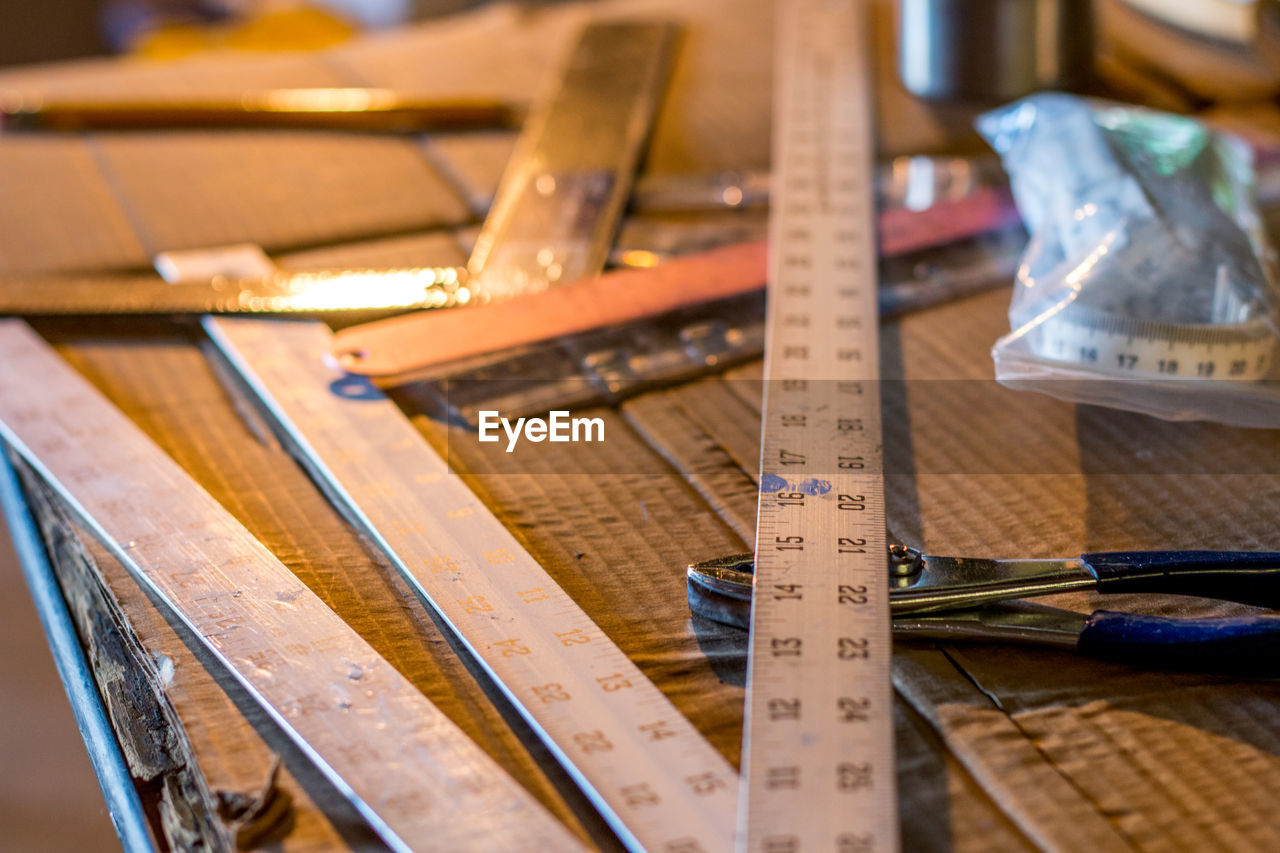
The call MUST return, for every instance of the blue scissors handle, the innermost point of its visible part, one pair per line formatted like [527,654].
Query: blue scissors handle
[1244,643]
[1249,577]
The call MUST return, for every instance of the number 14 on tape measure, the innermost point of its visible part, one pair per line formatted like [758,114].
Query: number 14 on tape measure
[818,770]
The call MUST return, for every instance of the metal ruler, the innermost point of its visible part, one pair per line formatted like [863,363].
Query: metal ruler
[560,200]
[570,175]
[417,779]
[655,779]
[352,109]
[818,761]
[363,293]
[604,366]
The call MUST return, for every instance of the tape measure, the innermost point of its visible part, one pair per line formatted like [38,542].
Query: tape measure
[818,769]
[418,780]
[1112,344]
[655,779]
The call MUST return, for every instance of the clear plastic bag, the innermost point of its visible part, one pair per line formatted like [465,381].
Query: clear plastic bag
[1148,283]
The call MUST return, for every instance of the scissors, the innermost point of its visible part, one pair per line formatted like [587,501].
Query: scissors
[966,599]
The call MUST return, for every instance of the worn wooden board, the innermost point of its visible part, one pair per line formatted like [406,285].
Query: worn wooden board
[166,384]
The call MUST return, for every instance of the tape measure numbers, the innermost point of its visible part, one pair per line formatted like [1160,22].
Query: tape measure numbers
[1133,347]
[411,773]
[818,770]
[657,781]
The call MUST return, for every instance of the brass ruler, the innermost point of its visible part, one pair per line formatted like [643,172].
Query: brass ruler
[411,773]
[818,762]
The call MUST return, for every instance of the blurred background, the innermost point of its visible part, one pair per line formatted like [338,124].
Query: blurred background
[62,29]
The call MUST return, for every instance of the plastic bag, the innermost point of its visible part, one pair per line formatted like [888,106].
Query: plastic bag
[1148,283]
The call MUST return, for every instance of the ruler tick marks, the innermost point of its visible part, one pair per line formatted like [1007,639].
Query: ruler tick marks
[814,780]
[578,691]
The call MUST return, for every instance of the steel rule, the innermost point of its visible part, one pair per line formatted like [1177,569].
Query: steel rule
[411,773]
[561,197]
[655,779]
[352,292]
[818,766]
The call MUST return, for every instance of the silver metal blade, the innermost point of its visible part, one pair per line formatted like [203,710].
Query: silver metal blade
[361,292]
[418,780]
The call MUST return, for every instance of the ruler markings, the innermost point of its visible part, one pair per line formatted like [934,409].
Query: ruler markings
[818,755]
[1130,346]
[657,781]
[418,780]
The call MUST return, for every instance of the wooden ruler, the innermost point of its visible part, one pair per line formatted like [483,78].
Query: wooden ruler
[818,766]
[410,772]
[655,779]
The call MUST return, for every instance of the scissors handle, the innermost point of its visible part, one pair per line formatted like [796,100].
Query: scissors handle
[1249,577]
[1245,643]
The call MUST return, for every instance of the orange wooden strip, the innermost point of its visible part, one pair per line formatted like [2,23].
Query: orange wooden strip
[418,341]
